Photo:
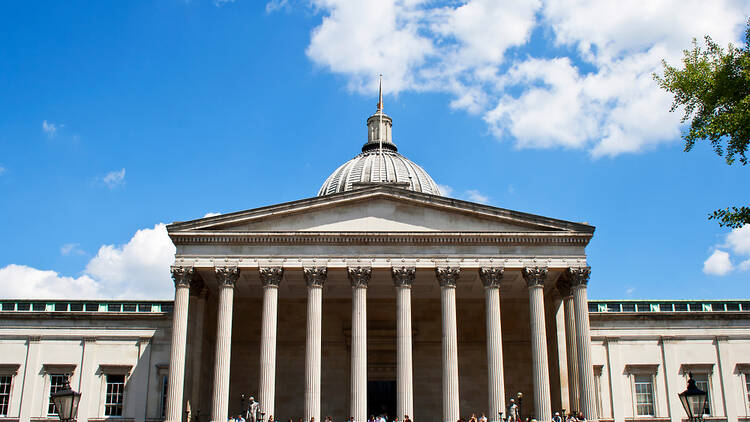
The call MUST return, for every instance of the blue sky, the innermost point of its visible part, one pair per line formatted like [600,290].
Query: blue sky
[118,117]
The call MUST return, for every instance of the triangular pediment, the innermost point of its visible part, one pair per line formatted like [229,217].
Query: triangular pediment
[379,209]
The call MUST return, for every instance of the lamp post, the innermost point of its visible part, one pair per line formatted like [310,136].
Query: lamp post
[693,400]
[66,402]
[519,398]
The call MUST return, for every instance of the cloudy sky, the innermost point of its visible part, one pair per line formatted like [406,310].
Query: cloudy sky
[116,118]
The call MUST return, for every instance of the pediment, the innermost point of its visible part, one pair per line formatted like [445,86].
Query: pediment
[379,209]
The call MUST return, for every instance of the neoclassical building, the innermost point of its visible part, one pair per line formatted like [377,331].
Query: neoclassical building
[378,295]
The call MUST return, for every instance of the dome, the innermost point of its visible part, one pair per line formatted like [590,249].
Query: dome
[370,167]
[379,163]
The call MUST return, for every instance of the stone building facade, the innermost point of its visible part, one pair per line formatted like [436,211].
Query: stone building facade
[379,295]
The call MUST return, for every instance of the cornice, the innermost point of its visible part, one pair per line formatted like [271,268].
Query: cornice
[381,238]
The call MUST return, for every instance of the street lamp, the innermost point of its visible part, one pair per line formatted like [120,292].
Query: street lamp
[693,400]
[519,399]
[66,402]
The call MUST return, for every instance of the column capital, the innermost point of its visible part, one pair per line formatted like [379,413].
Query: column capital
[227,276]
[534,276]
[564,287]
[578,276]
[182,276]
[491,276]
[447,276]
[403,276]
[271,276]
[315,276]
[359,276]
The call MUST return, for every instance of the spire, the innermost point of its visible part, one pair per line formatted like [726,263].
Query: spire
[380,94]
[379,127]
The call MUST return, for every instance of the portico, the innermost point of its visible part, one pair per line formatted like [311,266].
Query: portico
[453,301]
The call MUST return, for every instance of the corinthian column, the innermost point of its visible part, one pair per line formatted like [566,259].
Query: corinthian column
[447,278]
[315,278]
[579,279]
[182,277]
[535,277]
[563,285]
[359,277]
[403,278]
[491,278]
[270,277]
[226,277]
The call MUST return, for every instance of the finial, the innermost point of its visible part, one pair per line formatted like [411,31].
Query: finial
[380,94]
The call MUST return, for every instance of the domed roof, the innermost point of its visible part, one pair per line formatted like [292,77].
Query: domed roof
[379,163]
[371,167]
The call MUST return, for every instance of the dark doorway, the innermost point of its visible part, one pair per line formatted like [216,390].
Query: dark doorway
[381,398]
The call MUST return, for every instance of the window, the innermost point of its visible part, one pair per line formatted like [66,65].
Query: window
[5,394]
[164,388]
[57,382]
[702,382]
[115,395]
[644,395]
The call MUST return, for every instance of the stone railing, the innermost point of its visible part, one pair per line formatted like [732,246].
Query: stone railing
[677,306]
[86,306]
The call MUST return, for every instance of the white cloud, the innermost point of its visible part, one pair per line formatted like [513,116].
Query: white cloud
[71,249]
[590,88]
[274,5]
[22,282]
[718,263]
[138,269]
[445,190]
[50,128]
[211,214]
[2,169]
[114,178]
[475,196]
[739,240]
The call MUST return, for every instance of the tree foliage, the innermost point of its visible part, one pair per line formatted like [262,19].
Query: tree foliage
[713,89]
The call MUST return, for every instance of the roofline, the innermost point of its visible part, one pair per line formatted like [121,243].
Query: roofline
[381,190]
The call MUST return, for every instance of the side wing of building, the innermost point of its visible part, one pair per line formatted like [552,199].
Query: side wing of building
[115,353]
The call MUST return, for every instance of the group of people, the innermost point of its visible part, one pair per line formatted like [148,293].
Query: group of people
[252,413]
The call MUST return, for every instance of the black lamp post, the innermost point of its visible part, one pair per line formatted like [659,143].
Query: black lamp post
[66,403]
[693,400]
[519,399]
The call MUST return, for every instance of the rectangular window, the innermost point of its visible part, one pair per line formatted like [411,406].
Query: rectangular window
[5,394]
[598,391]
[57,382]
[115,395]
[701,381]
[164,387]
[644,395]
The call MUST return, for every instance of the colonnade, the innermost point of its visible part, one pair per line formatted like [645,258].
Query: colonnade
[572,286]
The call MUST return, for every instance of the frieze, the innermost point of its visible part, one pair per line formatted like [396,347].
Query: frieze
[182,276]
[315,276]
[534,276]
[227,276]
[447,276]
[336,238]
[271,276]
[403,276]
[491,276]
[359,276]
